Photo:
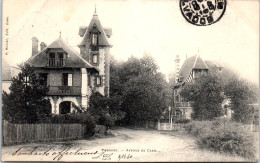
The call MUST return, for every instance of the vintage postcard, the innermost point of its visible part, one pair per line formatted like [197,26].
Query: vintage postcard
[130,80]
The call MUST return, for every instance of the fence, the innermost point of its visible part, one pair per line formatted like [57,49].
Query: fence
[23,133]
[169,126]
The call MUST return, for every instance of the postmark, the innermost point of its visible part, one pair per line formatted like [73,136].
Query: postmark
[202,12]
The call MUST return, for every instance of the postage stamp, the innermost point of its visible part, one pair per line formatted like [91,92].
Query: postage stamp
[202,12]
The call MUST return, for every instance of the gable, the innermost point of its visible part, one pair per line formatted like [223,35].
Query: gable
[103,40]
[73,60]
[191,63]
[200,64]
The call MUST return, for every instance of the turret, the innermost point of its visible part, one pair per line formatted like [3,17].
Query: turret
[177,68]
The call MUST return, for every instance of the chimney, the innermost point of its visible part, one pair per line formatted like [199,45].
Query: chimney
[43,45]
[34,45]
[177,68]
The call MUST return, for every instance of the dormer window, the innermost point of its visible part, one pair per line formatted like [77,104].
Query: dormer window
[56,59]
[94,34]
[94,41]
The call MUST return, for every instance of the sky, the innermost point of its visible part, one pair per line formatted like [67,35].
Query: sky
[156,27]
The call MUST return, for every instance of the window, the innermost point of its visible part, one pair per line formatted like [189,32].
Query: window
[26,80]
[95,58]
[94,41]
[56,59]
[67,79]
[52,59]
[60,60]
[52,55]
[43,78]
[60,55]
[98,81]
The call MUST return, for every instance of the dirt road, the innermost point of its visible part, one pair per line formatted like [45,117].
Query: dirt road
[125,145]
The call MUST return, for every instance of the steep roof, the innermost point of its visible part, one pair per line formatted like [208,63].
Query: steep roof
[74,59]
[8,71]
[199,63]
[213,64]
[193,62]
[83,29]
[103,41]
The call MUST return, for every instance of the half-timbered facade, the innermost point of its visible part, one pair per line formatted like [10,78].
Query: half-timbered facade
[191,69]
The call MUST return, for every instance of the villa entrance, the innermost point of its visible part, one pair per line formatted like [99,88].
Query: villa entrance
[65,107]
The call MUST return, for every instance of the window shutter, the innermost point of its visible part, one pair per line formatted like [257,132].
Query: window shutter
[69,79]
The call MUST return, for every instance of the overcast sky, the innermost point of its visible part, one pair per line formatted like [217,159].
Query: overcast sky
[156,27]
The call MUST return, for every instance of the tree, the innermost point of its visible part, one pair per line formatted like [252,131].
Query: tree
[207,94]
[26,102]
[144,93]
[241,93]
[106,110]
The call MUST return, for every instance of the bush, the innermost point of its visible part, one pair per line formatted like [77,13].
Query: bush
[198,127]
[223,136]
[183,121]
[107,121]
[82,118]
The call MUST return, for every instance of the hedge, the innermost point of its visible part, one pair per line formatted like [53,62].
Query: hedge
[224,136]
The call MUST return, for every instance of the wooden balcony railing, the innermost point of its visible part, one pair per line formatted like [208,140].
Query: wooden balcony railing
[56,62]
[183,104]
[64,90]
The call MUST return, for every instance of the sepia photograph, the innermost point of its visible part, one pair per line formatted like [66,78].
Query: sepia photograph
[130,80]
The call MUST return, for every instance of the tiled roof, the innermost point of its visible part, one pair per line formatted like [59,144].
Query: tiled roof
[74,59]
[95,21]
[82,31]
[200,64]
[8,71]
[193,62]
[213,64]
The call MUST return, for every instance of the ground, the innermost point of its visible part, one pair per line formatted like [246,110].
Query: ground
[125,145]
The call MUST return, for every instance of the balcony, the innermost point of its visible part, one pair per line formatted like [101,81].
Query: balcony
[65,90]
[183,104]
[56,62]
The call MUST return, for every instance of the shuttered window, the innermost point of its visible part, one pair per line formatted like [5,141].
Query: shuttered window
[67,79]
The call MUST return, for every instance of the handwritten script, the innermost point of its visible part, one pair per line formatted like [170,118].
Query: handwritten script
[57,153]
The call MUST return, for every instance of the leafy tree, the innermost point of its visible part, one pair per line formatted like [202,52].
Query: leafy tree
[116,85]
[207,94]
[26,101]
[144,93]
[241,94]
[106,110]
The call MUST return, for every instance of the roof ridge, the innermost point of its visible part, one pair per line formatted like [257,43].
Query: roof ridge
[39,52]
[46,47]
[195,61]
[77,54]
[205,63]
[95,20]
